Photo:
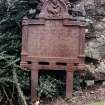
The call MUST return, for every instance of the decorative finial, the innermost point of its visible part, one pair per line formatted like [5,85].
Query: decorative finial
[54,9]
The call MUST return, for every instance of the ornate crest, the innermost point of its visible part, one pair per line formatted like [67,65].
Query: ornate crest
[54,9]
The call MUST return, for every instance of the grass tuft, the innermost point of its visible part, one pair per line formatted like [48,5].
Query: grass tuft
[97,103]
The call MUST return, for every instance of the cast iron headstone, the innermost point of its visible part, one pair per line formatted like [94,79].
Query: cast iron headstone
[53,41]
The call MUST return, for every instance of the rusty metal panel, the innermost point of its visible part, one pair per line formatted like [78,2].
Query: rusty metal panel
[53,39]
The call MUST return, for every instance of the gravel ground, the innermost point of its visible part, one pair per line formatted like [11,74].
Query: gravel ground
[97,93]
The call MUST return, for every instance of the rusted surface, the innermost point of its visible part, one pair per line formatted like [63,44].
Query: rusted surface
[54,38]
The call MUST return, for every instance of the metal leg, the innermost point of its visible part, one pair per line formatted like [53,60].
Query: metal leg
[69,82]
[34,83]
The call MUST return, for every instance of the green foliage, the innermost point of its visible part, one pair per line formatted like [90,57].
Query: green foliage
[6,79]
[97,103]
[48,86]
[11,14]
[8,84]
[88,76]
[77,81]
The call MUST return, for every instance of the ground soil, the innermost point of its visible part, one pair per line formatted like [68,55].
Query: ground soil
[95,93]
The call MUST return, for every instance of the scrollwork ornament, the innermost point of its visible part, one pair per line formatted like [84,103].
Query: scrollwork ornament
[54,8]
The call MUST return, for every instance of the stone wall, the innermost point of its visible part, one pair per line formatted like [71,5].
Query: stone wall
[95,31]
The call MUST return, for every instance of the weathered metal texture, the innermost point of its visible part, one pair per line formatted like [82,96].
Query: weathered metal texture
[55,41]
[44,38]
